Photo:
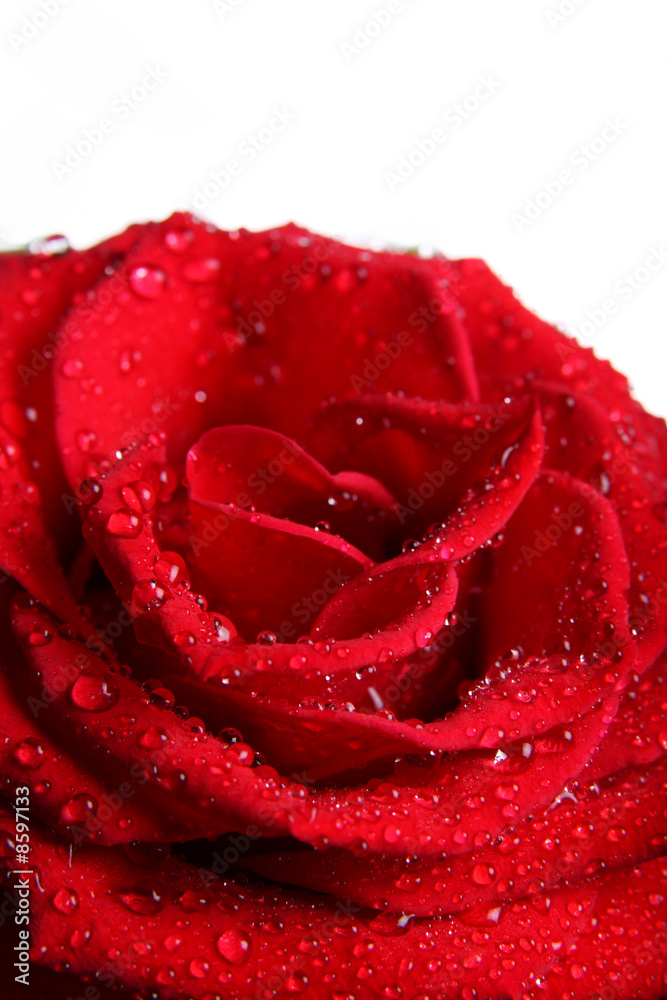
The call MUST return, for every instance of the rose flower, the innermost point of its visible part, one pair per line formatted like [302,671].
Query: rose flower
[334,606]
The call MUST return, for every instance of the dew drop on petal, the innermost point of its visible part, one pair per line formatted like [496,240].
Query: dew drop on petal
[234,946]
[483,874]
[201,270]
[40,636]
[72,368]
[423,636]
[65,900]
[183,638]
[199,968]
[85,440]
[124,523]
[297,983]
[147,282]
[146,897]
[170,568]
[78,809]
[154,738]
[94,692]
[177,240]
[29,753]
[80,937]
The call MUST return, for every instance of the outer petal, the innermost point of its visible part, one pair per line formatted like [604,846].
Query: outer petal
[190,783]
[173,934]
[255,333]
[452,804]
[36,289]
[584,440]
[513,349]
[588,829]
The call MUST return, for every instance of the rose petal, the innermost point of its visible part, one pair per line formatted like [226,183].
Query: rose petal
[35,290]
[451,804]
[191,784]
[252,467]
[254,938]
[589,828]
[513,349]
[584,441]
[265,572]
[435,457]
[638,734]
[566,641]
[214,302]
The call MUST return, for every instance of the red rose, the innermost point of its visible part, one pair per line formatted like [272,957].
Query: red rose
[400,547]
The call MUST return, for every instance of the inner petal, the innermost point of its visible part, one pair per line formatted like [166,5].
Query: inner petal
[259,545]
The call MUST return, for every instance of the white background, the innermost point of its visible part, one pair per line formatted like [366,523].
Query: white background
[361,96]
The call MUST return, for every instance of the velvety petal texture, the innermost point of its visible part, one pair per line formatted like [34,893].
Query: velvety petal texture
[334,630]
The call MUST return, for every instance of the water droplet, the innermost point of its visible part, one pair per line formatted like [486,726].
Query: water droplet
[125,523]
[182,639]
[94,692]
[89,492]
[491,737]
[147,594]
[199,968]
[224,628]
[244,753]
[10,453]
[202,269]
[139,496]
[193,902]
[78,808]
[49,246]
[72,368]
[297,983]
[145,897]
[29,753]
[154,738]
[40,636]
[158,694]
[345,280]
[170,568]
[423,636]
[65,900]
[483,874]
[230,735]
[81,937]
[85,440]
[147,282]
[178,240]
[234,946]
[30,296]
